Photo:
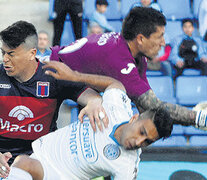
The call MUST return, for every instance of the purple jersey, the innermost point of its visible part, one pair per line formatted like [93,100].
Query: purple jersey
[106,54]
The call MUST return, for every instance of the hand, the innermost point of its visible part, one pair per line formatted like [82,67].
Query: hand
[63,72]
[4,166]
[92,110]
[204,60]
[180,64]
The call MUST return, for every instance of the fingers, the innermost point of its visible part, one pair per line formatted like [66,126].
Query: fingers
[105,119]
[4,167]
[50,73]
[51,64]
[81,114]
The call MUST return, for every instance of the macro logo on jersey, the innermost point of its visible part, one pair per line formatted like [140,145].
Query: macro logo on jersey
[21,112]
[87,142]
[130,67]
[43,89]
[111,151]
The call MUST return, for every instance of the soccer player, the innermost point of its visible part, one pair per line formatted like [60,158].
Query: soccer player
[123,57]
[77,152]
[29,99]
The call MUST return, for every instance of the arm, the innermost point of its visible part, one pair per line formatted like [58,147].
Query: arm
[90,98]
[180,115]
[63,72]
[166,55]
[174,57]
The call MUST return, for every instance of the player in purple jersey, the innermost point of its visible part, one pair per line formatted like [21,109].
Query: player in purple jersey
[123,57]
[29,99]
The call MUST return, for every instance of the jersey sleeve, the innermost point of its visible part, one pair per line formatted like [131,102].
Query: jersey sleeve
[70,90]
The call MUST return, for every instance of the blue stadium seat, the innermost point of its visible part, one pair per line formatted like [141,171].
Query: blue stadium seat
[162,87]
[112,11]
[191,90]
[171,141]
[191,131]
[68,34]
[51,9]
[176,9]
[198,141]
[126,6]
[173,29]
[154,73]
[196,4]
[177,130]
[191,72]
[74,110]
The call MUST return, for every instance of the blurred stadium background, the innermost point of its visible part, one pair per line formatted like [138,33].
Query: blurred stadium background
[184,154]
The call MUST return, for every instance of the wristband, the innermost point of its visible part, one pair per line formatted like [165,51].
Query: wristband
[201,118]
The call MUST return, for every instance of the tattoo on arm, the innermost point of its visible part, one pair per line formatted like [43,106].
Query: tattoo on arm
[180,114]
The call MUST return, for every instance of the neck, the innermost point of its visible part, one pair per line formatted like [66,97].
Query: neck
[132,47]
[28,73]
[118,132]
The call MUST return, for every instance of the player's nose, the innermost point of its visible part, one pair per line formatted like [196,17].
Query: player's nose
[140,141]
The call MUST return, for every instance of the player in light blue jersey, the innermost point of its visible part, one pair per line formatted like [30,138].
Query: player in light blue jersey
[76,152]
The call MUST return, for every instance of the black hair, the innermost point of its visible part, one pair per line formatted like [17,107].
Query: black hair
[163,123]
[102,2]
[161,119]
[142,20]
[18,33]
[187,20]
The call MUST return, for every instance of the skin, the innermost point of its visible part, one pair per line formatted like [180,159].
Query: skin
[150,48]
[137,133]
[101,8]
[145,3]
[20,62]
[43,42]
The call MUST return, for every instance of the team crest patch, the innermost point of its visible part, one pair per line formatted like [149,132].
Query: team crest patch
[43,89]
[111,151]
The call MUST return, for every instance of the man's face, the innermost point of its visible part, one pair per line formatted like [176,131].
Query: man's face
[152,45]
[146,2]
[43,41]
[188,28]
[101,8]
[138,133]
[17,61]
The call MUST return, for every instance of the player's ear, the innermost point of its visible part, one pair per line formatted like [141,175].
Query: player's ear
[140,38]
[134,118]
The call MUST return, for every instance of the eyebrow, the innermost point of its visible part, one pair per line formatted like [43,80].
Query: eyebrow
[9,52]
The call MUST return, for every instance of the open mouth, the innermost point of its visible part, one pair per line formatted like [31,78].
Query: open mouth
[7,68]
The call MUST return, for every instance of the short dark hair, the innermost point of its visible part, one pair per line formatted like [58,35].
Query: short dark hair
[162,120]
[187,20]
[102,2]
[142,20]
[18,33]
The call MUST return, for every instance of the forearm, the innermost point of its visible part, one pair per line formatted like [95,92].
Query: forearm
[87,96]
[98,82]
[180,115]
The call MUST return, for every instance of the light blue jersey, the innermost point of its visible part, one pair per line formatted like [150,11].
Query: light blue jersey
[76,152]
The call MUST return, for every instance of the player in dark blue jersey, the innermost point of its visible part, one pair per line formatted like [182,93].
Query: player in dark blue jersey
[29,99]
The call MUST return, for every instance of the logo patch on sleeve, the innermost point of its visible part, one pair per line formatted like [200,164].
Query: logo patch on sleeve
[43,89]
[111,151]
